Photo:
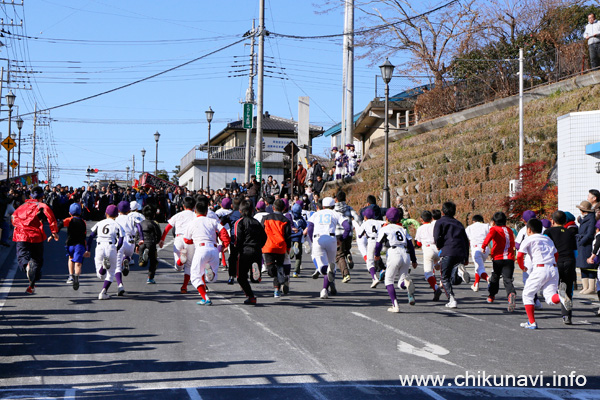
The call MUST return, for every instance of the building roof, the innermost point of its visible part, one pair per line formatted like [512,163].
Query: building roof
[270,123]
[337,128]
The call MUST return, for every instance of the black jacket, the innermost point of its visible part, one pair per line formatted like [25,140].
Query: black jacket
[451,238]
[250,236]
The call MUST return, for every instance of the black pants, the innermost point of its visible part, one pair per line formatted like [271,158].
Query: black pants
[343,249]
[594,50]
[244,264]
[568,275]
[506,269]
[32,254]
[274,264]
[297,257]
[232,261]
[152,258]
[449,273]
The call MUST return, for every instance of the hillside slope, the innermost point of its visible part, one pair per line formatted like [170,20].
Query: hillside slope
[472,162]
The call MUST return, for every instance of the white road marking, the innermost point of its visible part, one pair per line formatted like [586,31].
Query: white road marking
[431,351]
[431,393]
[193,393]
[463,315]
[7,284]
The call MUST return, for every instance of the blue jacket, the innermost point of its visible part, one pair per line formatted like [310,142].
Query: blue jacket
[585,237]
[451,238]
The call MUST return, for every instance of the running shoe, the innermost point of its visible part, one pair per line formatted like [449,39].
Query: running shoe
[316,274]
[30,290]
[106,263]
[324,294]
[452,303]
[295,275]
[462,272]
[210,275]
[512,298]
[437,294]
[230,281]
[332,289]
[306,247]
[490,299]
[350,261]
[75,282]
[144,257]
[564,299]
[276,294]
[411,299]
[381,275]
[394,309]
[150,282]
[286,287]
[250,301]
[255,271]
[203,302]
[528,325]
[121,290]
[475,287]
[183,290]
[70,279]
[103,296]
[346,279]
[125,266]
[567,320]
[374,283]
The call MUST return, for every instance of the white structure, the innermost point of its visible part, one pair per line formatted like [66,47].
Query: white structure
[578,158]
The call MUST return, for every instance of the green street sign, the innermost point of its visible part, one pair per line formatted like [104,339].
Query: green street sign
[248,117]
[258,170]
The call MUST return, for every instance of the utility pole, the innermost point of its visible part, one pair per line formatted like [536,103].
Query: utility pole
[349,37]
[132,168]
[521,134]
[34,128]
[39,119]
[259,105]
[249,99]
[344,73]
[49,170]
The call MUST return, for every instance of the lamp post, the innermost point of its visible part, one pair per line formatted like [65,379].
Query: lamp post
[143,156]
[156,137]
[209,116]
[387,69]
[10,102]
[19,126]
[127,172]
[14,138]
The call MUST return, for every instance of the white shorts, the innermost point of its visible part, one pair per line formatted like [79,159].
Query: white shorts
[125,251]
[371,253]
[204,257]
[541,278]
[110,251]
[397,265]
[324,250]
[430,257]
[479,258]
[178,245]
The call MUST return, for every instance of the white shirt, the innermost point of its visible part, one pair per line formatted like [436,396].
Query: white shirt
[370,228]
[128,225]
[203,230]
[260,216]
[325,221]
[213,215]
[540,248]
[476,232]
[181,220]
[108,231]
[136,216]
[424,234]
[591,30]
[396,235]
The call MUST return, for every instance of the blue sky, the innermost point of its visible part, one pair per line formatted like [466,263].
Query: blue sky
[77,49]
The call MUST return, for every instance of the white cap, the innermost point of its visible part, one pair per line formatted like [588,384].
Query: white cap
[328,202]
[134,206]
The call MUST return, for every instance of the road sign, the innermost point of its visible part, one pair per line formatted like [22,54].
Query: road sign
[248,117]
[291,149]
[13,164]
[258,170]
[9,143]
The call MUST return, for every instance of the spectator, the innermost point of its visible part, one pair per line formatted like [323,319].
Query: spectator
[592,35]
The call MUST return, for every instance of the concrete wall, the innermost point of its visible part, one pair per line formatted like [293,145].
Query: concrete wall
[220,175]
[576,170]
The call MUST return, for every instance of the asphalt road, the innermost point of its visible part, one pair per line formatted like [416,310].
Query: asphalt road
[157,343]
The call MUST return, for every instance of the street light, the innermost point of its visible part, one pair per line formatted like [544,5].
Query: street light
[10,102]
[127,171]
[209,116]
[387,70]
[14,138]
[156,137]
[143,156]
[19,126]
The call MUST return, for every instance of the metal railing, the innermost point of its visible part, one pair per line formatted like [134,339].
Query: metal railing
[226,153]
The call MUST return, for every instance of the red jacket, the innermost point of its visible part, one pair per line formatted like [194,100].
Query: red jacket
[28,226]
[504,243]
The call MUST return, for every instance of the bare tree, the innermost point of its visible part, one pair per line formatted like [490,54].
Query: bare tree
[431,39]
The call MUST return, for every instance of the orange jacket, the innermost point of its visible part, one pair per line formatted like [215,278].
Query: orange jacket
[279,234]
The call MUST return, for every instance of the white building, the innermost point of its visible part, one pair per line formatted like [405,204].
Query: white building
[578,158]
